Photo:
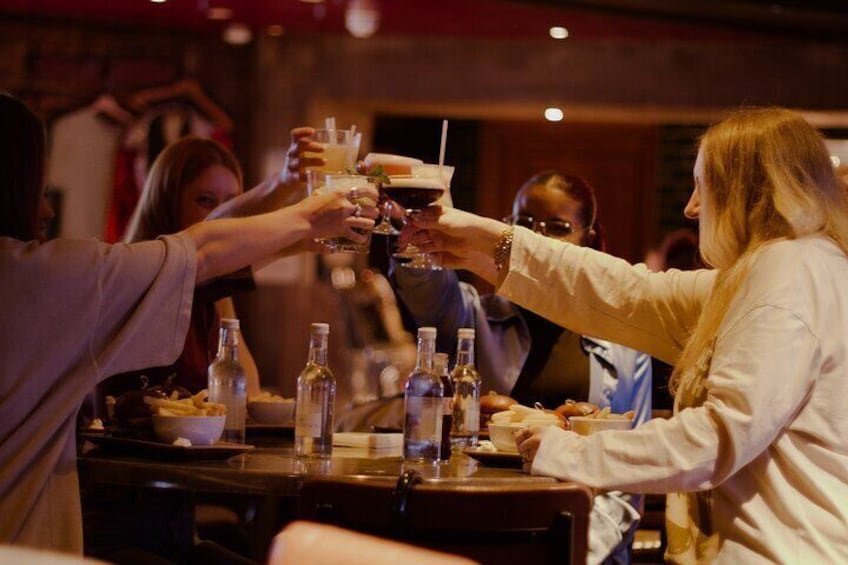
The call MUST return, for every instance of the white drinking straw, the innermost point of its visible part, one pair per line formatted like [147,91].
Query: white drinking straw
[330,124]
[442,152]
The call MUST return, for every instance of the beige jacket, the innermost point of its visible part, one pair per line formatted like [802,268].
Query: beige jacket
[767,452]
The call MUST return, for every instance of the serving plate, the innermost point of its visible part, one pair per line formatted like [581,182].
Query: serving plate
[495,458]
[132,447]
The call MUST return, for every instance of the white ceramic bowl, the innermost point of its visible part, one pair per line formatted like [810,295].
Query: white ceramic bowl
[585,425]
[280,412]
[503,436]
[199,430]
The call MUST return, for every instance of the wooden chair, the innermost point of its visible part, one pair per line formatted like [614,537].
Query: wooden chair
[492,524]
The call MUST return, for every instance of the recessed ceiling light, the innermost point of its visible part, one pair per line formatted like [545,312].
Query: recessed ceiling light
[219,13]
[558,32]
[553,114]
[362,18]
[158,1]
[237,34]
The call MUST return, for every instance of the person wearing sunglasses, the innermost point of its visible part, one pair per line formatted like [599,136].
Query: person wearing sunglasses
[530,358]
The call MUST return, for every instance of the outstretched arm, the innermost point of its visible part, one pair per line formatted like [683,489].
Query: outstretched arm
[226,245]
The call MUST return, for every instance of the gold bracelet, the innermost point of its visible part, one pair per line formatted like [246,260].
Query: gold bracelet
[503,247]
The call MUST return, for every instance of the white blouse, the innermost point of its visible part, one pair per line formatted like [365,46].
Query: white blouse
[769,447]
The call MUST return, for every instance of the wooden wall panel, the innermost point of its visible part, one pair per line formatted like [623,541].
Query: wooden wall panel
[618,160]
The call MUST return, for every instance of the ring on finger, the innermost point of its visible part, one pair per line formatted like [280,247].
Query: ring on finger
[353,195]
[357,210]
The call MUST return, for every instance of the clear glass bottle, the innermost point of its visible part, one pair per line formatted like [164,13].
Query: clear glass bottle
[466,392]
[440,367]
[316,397]
[227,381]
[422,404]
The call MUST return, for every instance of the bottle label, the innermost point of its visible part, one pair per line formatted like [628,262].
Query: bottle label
[424,416]
[472,417]
[308,420]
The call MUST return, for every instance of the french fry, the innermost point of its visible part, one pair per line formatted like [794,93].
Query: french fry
[199,399]
[604,413]
[523,411]
[524,415]
[195,405]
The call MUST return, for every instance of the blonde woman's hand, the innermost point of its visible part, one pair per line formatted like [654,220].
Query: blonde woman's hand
[460,240]
[528,441]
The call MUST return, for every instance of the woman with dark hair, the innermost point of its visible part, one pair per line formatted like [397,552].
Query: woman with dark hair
[78,311]
[523,354]
[569,203]
[25,213]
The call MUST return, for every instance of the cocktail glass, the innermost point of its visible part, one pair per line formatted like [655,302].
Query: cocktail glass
[423,187]
[341,147]
[347,184]
[385,226]
[386,165]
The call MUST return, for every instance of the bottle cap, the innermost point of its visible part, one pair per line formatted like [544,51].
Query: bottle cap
[466,333]
[427,333]
[320,328]
[230,323]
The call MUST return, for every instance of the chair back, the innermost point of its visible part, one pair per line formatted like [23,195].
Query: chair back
[493,524]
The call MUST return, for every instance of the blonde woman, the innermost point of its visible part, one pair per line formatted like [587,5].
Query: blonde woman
[755,459]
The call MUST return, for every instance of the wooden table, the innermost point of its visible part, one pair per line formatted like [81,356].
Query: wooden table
[272,476]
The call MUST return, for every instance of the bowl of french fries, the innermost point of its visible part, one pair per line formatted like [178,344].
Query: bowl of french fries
[601,421]
[272,409]
[504,424]
[187,421]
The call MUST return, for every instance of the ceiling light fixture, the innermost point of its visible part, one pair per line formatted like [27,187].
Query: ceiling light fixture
[158,1]
[554,114]
[362,18]
[219,13]
[237,34]
[558,32]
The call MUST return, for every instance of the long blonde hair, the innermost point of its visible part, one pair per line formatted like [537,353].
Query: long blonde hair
[766,175]
[158,210]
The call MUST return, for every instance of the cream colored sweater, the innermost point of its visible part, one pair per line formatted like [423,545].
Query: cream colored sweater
[768,449]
